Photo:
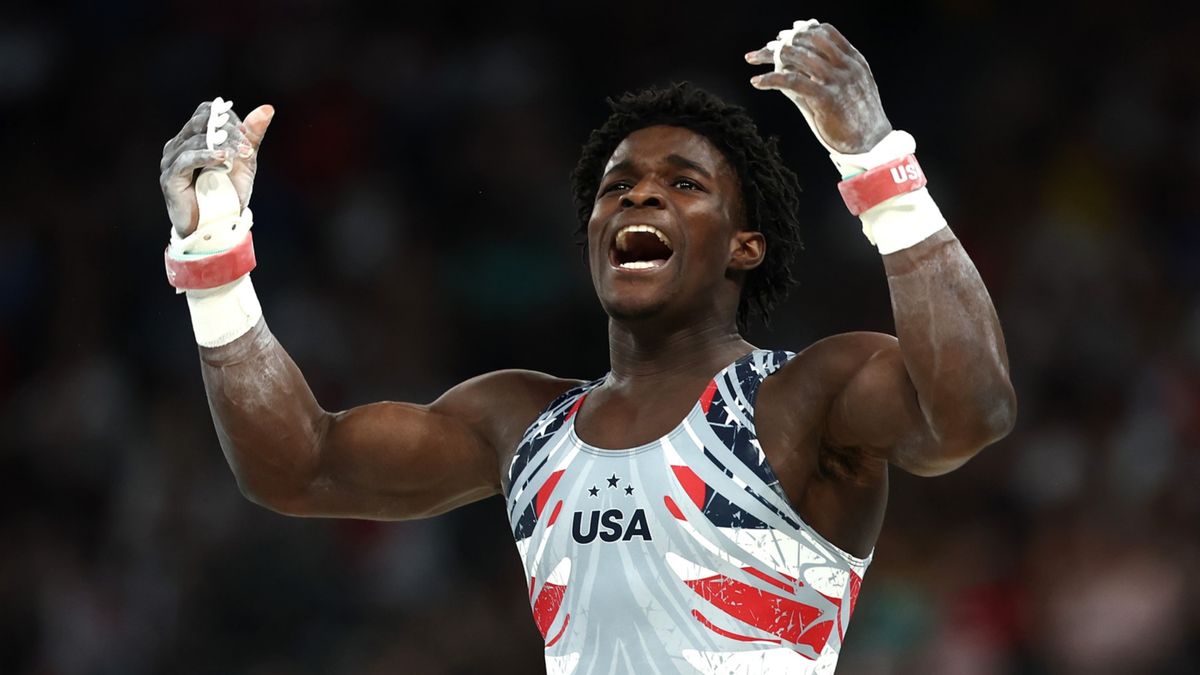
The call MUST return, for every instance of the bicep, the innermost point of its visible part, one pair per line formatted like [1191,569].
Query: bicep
[875,406]
[389,461]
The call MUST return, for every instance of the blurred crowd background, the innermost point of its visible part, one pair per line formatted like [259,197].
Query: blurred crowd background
[414,228]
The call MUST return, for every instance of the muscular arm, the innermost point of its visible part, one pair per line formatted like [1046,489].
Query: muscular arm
[931,398]
[927,401]
[383,461]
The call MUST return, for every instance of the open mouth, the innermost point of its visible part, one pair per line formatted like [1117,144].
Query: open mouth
[640,247]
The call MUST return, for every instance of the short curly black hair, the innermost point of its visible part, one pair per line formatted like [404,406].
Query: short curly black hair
[770,191]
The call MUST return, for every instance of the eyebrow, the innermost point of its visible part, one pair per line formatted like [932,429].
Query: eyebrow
[676,160]
[686,163]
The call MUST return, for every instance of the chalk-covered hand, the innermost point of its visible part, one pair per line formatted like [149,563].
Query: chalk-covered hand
[187,153]
[819,69]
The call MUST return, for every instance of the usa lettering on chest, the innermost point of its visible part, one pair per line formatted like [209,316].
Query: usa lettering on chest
[609,526]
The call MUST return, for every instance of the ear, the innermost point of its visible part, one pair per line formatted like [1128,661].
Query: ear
[747,249]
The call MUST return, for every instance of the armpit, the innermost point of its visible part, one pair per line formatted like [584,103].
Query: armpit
[840,463]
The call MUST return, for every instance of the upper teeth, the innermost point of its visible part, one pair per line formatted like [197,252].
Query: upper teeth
[623,233]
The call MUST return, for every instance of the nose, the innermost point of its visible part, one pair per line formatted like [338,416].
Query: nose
[645,194]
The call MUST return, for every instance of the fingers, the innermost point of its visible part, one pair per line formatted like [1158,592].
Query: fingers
[822,41]
[189,151]
[176,184]
[816,42]
[235,142]
[797,82]
[193,143]
[189,160]
[197,126]
[198,119]
[821,54]
[806,60]
[761,57]
[796,59]
[835,36]
[841,45]
[255,126]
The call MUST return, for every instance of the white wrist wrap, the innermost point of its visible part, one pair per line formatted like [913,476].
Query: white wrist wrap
[223,314]
[902,221]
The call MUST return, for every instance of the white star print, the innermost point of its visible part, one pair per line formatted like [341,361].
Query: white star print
[730,418]
[758,370]
[762,456]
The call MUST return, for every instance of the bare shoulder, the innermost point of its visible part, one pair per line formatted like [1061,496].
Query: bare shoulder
[502,404]
[862,370]
[796,400]
[823,368]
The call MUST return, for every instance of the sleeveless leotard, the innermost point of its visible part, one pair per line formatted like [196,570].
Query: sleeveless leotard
[679,556]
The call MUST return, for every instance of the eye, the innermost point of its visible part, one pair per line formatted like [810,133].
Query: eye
[617,185]
[686,184]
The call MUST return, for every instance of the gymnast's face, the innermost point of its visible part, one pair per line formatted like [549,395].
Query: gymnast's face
[665,236]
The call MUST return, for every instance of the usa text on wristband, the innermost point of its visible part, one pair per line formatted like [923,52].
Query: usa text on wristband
[870,188]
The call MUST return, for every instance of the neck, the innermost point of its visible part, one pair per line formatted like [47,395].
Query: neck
[643,357]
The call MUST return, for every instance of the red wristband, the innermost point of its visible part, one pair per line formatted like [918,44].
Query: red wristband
[870,188]
[191,272]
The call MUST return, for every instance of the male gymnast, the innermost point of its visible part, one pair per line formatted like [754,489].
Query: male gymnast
[707,506]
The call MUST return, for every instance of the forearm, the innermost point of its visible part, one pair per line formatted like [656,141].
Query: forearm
[952,347]
[269,424]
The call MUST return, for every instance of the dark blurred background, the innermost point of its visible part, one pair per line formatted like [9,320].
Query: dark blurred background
[414,228]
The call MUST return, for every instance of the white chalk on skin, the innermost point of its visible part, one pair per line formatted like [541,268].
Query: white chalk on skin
[776,47]
[899,222]
[219,315]
[847,164]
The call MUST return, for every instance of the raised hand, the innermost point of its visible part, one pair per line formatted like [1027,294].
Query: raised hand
[832,79]
[187,153]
